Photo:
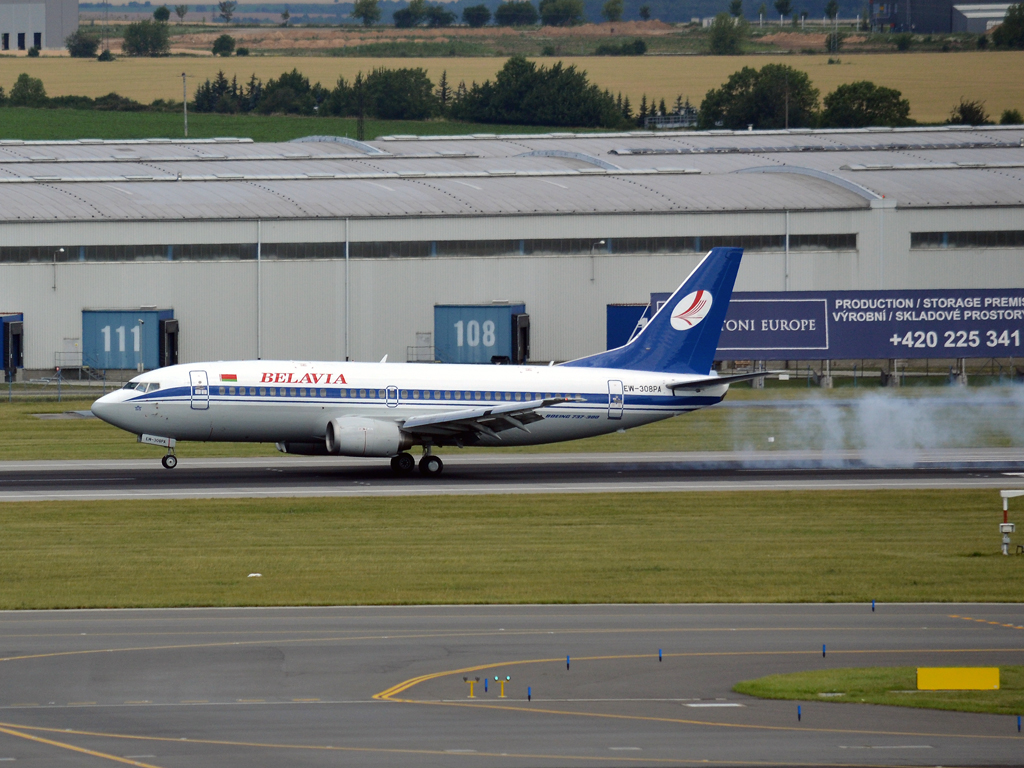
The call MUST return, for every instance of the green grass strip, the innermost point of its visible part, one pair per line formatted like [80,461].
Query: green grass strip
[892,686]
[62,124]
[683,547]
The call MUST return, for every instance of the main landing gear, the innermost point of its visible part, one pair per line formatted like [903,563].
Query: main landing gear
[170,461]
[404,464]
[431,466]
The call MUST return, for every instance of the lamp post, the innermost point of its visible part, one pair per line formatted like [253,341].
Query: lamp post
[59,250]
[142,359]
[184,100]
[592,247]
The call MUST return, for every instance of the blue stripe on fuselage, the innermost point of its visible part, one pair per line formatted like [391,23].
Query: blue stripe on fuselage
[589,401]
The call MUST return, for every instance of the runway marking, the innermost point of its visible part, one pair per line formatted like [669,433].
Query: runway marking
[9,730]
[201,703]
[985,621]
[402,634]
[713,724]
[390,693]
[895,746]
[491,489]
[449,635]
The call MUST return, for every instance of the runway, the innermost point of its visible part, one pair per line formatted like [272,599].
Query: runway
[503,473]
[381,686]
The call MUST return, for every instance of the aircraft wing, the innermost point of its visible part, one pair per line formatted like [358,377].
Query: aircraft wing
[711,381]
[488,420]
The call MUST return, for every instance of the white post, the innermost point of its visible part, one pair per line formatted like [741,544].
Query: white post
[1007,527]
[184,101]
[787,251]
[348,302]
[142,348]
[259,289]
[881,248]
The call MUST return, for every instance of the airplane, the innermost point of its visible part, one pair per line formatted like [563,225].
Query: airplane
[384,409]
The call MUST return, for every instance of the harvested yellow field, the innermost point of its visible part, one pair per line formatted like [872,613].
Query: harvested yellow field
[932,82]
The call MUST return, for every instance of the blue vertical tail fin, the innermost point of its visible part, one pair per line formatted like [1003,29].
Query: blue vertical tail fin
[683,336]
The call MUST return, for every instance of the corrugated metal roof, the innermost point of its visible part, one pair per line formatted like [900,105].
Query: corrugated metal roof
[494,175]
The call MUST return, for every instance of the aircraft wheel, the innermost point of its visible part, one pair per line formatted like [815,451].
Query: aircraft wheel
[403,463]
[170,461]
[431,466]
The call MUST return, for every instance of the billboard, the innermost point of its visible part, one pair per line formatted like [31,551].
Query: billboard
[474,333]
[118,339]
[848,325]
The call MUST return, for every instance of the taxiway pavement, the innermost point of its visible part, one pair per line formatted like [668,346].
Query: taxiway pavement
[492,473]
[381,686]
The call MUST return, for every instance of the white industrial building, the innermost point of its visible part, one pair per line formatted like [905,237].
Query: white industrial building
[42,24]
[979,18]
[334,249]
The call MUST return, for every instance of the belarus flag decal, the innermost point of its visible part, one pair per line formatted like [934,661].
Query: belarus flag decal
[693,308]
[228,377]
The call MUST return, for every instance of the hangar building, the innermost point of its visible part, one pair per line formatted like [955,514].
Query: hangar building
[936,16]
[329,248]
[42,24]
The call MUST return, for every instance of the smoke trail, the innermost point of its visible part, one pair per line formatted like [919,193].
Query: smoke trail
[886,428]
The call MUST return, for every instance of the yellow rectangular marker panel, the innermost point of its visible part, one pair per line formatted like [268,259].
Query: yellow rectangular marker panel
[958,678]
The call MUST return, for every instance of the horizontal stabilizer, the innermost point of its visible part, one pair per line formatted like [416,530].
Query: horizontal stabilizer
[712,381]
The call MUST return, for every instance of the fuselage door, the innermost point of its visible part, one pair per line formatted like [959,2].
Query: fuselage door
[200,390]
[392,397]
[614,399]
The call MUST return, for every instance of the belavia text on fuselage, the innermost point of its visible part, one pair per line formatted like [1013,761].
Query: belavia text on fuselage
[384,409]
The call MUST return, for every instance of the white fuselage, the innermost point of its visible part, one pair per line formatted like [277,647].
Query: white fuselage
[292,402]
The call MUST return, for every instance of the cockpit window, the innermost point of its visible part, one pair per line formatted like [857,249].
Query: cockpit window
[152,386]
[131,385]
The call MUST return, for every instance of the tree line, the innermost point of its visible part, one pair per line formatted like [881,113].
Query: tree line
[522,93]
[511,13]
[525,93]
[779,96]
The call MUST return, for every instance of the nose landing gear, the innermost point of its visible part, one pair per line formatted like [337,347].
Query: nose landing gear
[170,461]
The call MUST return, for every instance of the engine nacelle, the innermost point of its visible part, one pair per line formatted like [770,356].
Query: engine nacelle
[355,436]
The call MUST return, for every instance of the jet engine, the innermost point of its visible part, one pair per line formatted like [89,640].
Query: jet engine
[355,436]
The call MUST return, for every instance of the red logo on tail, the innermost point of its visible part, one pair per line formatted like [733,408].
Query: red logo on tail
[693,308]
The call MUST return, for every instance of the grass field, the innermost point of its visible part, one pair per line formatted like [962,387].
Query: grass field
[610,548]
[933,82]
[892,686]
[891,425]
[51,124]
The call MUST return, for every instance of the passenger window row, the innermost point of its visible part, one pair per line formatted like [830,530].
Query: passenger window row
[382,394]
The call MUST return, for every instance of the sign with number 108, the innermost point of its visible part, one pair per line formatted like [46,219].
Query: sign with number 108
[472,336]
